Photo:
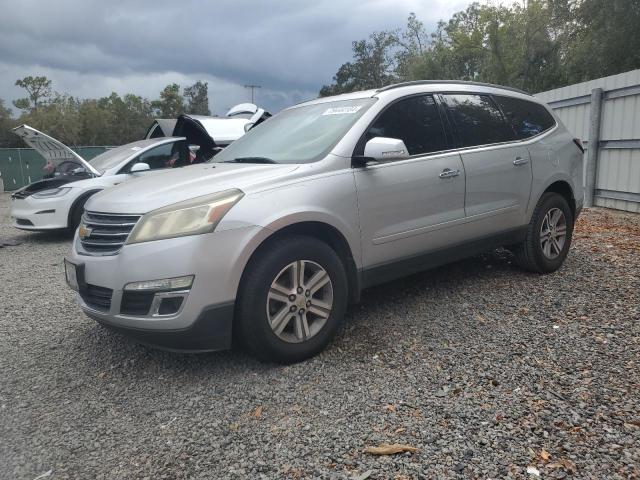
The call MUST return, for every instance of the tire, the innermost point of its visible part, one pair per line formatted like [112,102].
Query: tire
[266,292]
[537,255]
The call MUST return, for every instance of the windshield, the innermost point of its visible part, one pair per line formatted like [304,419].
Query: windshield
[299,135]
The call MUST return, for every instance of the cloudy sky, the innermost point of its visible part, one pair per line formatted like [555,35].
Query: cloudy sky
[90,48]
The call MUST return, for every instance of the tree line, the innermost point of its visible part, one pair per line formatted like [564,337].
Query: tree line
[112,120]
[536,45]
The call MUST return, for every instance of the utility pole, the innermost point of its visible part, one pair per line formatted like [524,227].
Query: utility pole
[252,87]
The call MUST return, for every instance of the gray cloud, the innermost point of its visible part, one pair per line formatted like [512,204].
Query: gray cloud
[91,47]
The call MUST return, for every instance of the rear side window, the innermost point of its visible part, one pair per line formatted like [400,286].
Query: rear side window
[527,118]
[415,121]
[478,120]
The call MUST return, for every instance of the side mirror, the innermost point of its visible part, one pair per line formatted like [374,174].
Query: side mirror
[139,167]
[194,148]
[382,149]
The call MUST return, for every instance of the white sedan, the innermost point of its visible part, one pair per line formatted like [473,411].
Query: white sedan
[57,201]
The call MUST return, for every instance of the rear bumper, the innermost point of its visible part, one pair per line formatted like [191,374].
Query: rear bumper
[211,331]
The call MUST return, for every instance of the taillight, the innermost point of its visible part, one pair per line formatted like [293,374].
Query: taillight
[578,143]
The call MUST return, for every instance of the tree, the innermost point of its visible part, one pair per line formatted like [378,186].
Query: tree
[171,103]
[38,89]
[606,39]
[197,98]
[7,139]
[373,66]
[537,45]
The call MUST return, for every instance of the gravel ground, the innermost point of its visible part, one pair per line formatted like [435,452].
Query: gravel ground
[485,369]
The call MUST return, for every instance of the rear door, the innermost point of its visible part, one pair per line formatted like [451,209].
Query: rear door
[498,168]
[413,205]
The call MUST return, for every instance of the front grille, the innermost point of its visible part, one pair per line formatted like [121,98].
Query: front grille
[107,232]
[97,297]
[136,303]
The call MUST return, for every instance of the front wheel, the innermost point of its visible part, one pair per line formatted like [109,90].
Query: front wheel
[549,234]
[292,299]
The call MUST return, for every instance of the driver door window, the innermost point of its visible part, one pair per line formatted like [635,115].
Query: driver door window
[414,120]
[167,155]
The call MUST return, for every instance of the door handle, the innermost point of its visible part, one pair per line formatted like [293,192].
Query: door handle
[520,161]
[448,173]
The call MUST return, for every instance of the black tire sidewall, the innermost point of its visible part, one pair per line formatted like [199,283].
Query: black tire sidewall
[253,323]
[549,201]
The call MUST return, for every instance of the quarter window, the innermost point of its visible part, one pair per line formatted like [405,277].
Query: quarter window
[478,120]
[527,118]
[415,121]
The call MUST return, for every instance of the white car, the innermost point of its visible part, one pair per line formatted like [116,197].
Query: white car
[56,202]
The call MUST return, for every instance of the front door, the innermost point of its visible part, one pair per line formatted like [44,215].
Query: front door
[408,207]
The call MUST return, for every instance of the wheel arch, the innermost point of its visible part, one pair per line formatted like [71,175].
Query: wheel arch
[324,232]
[81,198]
[563,188]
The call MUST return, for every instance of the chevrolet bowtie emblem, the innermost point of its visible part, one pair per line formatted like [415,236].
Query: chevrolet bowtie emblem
[84,232]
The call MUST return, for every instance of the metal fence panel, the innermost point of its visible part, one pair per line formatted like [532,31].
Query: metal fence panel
[617,159]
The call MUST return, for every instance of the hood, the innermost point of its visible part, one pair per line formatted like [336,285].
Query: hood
[167,187]
[52,150]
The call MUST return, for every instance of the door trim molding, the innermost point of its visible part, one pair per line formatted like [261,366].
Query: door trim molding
[439,226]
[387,271]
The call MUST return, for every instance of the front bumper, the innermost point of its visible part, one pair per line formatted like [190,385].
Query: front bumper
[211,331]
[40,213]
[203,321]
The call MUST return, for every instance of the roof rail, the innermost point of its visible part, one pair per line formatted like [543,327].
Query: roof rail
[456,82]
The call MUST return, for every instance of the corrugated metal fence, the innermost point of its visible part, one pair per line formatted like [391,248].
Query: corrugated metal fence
[605,113]
[21,166]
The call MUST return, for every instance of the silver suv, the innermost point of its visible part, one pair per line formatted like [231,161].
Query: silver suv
[273,239]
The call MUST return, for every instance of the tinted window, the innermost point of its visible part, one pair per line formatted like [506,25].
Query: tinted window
[527,118]
[478,120]
[167,155]
[415,121]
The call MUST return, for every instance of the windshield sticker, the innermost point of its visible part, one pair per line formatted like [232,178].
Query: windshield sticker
[136,148]
[341,110]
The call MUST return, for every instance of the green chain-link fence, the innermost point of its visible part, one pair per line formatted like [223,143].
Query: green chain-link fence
[22,166]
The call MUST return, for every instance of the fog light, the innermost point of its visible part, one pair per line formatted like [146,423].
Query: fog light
[177,283]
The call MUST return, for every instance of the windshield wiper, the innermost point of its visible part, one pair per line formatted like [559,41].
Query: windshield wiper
[251,160]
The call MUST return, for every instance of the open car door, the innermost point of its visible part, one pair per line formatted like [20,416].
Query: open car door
[161,127]
[195,133]
[62,159]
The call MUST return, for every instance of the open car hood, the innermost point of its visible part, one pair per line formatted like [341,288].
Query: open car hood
[52,150]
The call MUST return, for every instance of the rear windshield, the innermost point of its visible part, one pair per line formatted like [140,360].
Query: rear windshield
[299,135]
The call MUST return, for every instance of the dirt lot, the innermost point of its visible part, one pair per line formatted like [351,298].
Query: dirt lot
[486,370]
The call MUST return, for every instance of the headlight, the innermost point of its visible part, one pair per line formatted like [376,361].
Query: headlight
[52,192]
[192,217]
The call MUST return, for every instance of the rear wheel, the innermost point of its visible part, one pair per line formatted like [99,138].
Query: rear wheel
[292,299]
[548,235]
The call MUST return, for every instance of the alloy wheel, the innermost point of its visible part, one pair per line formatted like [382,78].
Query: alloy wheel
[553,233]
[299,301]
